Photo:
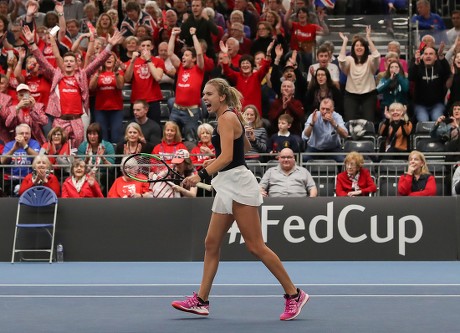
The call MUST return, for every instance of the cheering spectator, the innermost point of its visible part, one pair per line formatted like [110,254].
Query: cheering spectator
[204,150]
[453,82]
[69,90]
[57,148]
[321,86]
[447,129]
[394,86]
[144,71]
[107,85]
[136,17]
[396,129]
[360,95]
[134,142]
[41,175]
[324,61]
[429,75]
[186,111]
[255,132]
[324,130]
[81,183]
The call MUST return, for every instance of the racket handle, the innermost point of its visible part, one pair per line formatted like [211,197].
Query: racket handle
[204,186]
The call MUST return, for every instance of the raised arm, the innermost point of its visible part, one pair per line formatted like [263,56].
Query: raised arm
[18,69]
[343,54]
[198,49]
[171,45]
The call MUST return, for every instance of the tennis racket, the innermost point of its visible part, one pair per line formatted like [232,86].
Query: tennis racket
[149,168]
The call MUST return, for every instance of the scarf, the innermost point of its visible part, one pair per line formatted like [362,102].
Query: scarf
[354,181]
[127,151]
[78,183]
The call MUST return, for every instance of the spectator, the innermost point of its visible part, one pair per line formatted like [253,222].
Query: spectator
[396,129]
[426,19]
[389,58]
[97,152]
[233,52]
[417,181]
[33,77]
[355,180]
[303,34]
[136,17]
[169,74]
[5,102]
[15,151]
[182,164]
[250,15]
[81,183]
[247,81]
[286,103]
[186,111]
[150,129]
[287,180]
[57,148]
[453,82]
[324,61]
[42,175]
[107,85]
[69,95]
[429,75]
[265,35]
[456,182]
[73,9]
[181,9]
[447,129]
[324,130]
[360,95]
[255,132]
[237,16]
[321,87]
[125,187]
[284,138]
[204,150]
[169,24]
[454,32]
[91,15]
[202,23]
[394,86]
[134,142]
[170,143]
[104,25]
[27,111]
[130,46]
[144,72]
[236,31]
[393,46]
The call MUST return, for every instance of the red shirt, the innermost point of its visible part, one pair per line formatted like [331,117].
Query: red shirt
[167,150]
[197,158]
[249,86]
[39,87]
[108,96]
[122,188]
[71,99]
[144,86]
[50,149]
[53,183]
[303,34]
[47,51]
[188,87]
[344,184]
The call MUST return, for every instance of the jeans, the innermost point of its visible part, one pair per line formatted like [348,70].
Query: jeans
[427,113]
[111,123]
[188,121]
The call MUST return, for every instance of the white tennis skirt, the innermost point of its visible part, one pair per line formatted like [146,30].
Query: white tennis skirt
[238,184]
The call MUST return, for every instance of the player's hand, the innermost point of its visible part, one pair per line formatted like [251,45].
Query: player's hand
[191,181]
[208,162]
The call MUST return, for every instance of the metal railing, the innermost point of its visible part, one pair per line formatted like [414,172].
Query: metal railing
[385,169]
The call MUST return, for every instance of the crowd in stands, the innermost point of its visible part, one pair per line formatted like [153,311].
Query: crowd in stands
[65,67]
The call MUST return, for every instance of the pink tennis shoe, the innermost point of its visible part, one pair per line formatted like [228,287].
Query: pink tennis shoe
[193,305]
[294,305]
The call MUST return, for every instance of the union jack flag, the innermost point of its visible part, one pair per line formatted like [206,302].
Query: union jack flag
[325,3]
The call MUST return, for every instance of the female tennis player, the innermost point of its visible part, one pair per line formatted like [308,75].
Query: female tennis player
[237,199]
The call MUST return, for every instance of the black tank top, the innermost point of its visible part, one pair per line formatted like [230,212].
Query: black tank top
[238,149]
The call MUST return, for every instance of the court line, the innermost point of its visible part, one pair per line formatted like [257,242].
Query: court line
[232,296]
[228,284]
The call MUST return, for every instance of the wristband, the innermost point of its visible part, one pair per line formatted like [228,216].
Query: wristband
[203,174]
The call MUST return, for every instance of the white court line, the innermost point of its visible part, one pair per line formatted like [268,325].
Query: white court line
[228,296]
[228,285]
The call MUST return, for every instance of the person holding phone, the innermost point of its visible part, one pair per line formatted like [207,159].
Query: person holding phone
[29,112]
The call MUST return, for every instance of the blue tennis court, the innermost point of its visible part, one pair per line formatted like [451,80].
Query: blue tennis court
[136,296]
